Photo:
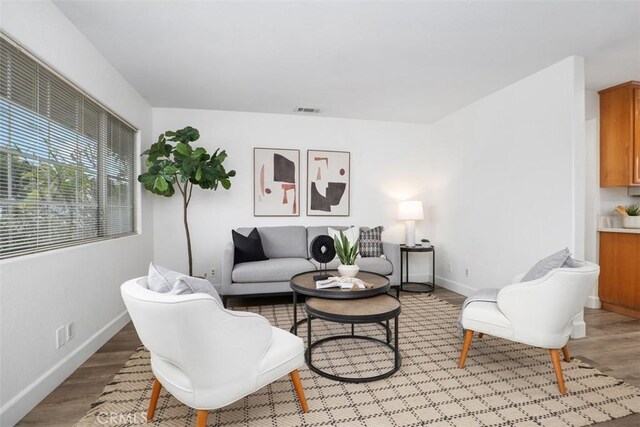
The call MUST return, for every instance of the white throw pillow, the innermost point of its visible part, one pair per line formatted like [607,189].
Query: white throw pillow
[165,281]
[161,279]
[194,285]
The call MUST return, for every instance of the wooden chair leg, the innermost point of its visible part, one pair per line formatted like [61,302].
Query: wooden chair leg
[468,336]
[557,367]
[201,421]
[299,390]
[155,393]
[565,352]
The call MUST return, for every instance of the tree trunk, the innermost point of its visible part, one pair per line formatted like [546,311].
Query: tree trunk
[185,212]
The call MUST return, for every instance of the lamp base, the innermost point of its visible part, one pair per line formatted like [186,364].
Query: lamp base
[410,239]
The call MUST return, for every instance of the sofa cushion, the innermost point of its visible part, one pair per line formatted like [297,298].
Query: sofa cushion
[272,270]
[247,248]
[375,265]
[282,242]
[331,265]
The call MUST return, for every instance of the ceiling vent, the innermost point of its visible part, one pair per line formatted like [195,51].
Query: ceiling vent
[306,110]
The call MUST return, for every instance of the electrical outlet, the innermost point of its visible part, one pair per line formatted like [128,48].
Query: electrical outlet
[466,272]
[71,331]
[213,273]
[450,267]
[61,336]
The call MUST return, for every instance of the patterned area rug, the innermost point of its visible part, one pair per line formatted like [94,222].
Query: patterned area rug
[504,383]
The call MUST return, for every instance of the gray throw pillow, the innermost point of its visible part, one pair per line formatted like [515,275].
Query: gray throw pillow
[571,263]
[547,264]
[371,242]
[161,279]
[193,285]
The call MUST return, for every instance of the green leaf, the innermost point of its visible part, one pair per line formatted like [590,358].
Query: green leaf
[160,184]
[183,149]
[198,174]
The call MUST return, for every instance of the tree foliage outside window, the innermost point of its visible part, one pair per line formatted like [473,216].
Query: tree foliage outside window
[66,164]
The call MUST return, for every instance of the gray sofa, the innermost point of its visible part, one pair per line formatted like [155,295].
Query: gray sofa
[288,251]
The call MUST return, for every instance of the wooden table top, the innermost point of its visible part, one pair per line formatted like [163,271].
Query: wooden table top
[303,283]
[374,309]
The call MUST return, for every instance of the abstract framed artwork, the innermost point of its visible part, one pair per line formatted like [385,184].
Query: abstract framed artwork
[276,177]
[328,183]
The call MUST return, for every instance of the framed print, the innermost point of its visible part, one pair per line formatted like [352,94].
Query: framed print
[328,183]
[276,182]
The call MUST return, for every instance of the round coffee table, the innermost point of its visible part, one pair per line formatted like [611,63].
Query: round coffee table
[304,284]
[377,309]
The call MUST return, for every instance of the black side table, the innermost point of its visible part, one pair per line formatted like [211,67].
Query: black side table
[405,284]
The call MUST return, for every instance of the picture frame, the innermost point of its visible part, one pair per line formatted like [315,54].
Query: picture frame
[328,183]
[276,182]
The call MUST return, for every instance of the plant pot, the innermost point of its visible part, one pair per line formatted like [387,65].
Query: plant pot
[631,222]
[348,270]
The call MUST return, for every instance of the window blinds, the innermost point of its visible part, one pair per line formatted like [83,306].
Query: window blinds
[67,172]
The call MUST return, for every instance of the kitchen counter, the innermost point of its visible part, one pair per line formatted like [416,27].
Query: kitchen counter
[620,230]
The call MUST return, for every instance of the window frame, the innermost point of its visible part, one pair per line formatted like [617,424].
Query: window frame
[112,123]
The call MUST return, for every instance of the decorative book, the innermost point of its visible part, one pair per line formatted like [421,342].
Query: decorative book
[343,283]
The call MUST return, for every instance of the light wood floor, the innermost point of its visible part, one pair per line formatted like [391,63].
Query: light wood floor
[612,346]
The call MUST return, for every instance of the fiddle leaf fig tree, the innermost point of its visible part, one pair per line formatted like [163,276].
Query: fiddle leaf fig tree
[183,166]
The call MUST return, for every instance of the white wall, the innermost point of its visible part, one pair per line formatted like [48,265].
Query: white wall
[40,292]
[506,181]
[387,164]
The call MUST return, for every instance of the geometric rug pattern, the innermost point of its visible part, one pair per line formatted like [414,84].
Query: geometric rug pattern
[503,383]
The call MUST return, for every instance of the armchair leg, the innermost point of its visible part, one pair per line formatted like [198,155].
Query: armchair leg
[201,421]
[565,352]
[557,367]
[468,336]
[299,390]
[155,393]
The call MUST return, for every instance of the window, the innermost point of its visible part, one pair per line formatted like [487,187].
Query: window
[67,172]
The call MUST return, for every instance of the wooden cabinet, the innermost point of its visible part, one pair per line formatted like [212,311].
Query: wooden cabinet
[620,135]
[619,286]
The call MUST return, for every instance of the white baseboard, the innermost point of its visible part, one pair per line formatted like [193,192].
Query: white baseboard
[14,410]
[593,302]
[446,283]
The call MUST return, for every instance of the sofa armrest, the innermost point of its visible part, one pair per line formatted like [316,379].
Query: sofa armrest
[392,252]
[227,267]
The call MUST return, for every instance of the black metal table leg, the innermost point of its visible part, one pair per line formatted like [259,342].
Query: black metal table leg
[295,313]
[309,338]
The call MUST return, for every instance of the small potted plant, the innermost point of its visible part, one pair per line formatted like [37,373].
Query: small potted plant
[632,219]
[425,243]
[347,253]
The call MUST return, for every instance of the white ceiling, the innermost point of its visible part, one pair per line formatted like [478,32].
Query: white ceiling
[396,61]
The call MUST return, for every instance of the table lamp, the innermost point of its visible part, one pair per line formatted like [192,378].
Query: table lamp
[410,211]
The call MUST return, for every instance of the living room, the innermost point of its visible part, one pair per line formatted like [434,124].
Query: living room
[486,113]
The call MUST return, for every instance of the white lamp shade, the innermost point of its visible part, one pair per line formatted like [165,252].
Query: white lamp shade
[410,210]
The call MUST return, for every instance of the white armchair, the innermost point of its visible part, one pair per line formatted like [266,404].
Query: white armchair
[539,313]
[205,356]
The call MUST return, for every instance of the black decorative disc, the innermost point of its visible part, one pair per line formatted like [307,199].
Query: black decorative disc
[322,249]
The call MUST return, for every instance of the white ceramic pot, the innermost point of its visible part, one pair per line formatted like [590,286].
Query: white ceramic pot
[348,270]
[631,221]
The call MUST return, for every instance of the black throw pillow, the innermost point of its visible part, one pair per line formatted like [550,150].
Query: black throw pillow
[248,248]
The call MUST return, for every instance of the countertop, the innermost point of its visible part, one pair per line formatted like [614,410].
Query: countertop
[620,230]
